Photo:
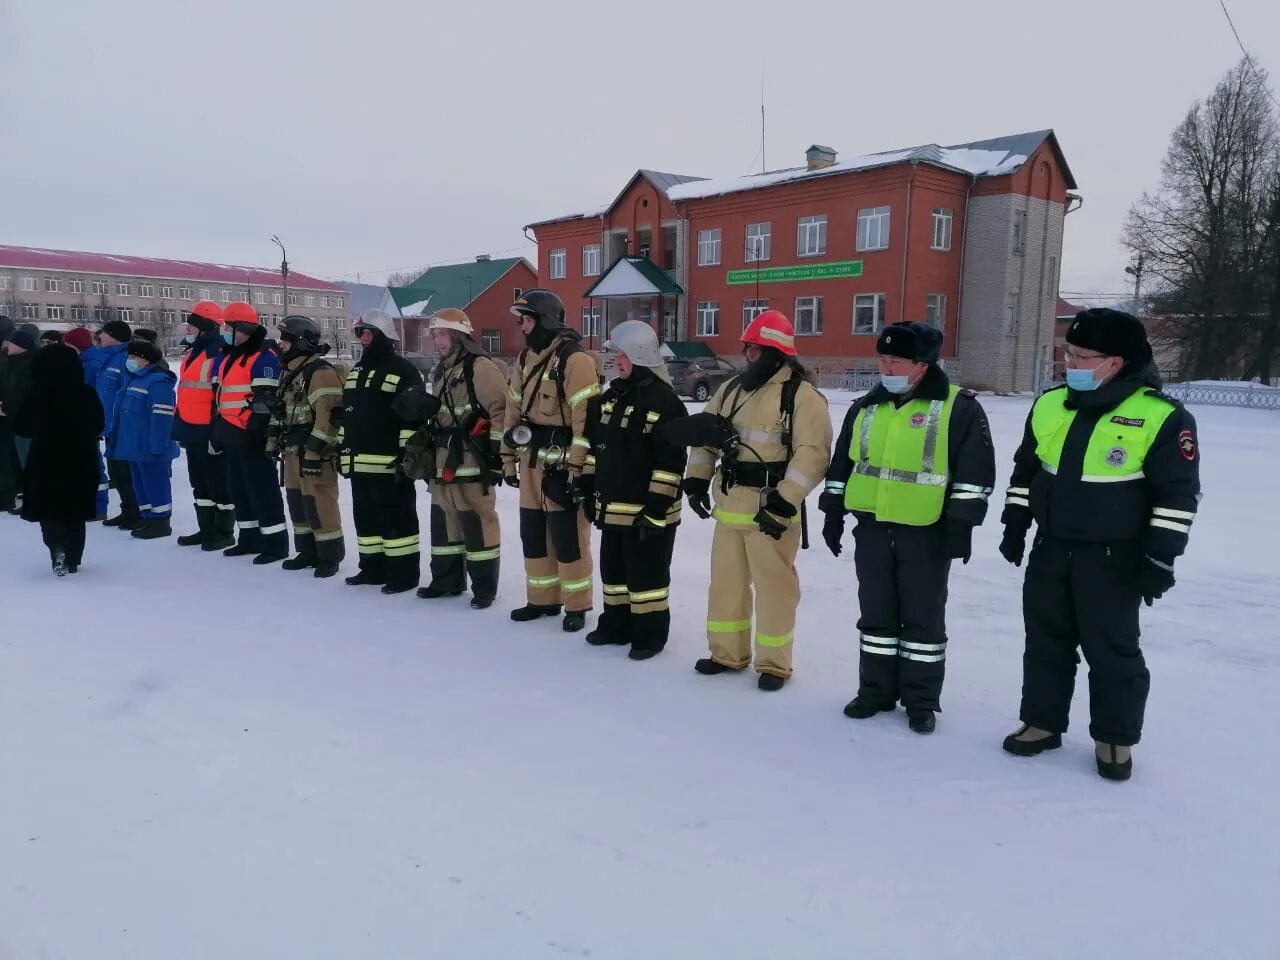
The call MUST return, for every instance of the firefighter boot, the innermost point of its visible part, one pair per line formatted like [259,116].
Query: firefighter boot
[860,708]
[1114,762]
[921,720]
[532,611]
[1029,741]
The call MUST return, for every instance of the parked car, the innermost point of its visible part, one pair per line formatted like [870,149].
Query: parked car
[701,377]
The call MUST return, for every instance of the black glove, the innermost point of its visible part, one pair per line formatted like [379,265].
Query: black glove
[310,467]
[773,517]
[960,541]
[833,532]
[698,492]
[415,406]
[1155,579]
[1013,545]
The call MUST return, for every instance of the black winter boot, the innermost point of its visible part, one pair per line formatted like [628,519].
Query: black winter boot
[390,589]
[433,591]
[1028,741]
[240,550]
[574,621]
[196,539]
[325,569]
[531,611]
[218,541]
[921,720]
[129,523]
[770,683]
[365,579]
[1114,762]
[300,562]
[642,653]
[114,521]
[859,708]
[153,530]
[598,638]
[264,559]
[710,668]
[481,602]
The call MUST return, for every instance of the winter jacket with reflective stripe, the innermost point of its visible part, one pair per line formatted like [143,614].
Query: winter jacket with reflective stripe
[1146,488]
[538,398]
[302,419]
[143,415]
[244,379]
[196,382]
[636,473]
[969,467]
[757,418]
[111,380]
[449,383]
[370,435]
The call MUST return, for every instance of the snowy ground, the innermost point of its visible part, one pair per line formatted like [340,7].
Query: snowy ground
[202,759]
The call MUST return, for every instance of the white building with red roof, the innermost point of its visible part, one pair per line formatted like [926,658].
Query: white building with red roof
[59,289]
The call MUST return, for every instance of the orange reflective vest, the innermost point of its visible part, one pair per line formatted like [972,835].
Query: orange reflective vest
[235,389]
[195,388]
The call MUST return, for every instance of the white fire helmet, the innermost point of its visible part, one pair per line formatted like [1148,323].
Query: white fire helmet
[451,318]
[377,320]
[639,342]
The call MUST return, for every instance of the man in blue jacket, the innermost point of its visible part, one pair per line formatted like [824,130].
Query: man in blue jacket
[141,435]
[114,339]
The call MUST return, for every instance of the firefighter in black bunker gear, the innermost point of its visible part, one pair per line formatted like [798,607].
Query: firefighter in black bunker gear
[631,487]
[1109,469]
[915,466]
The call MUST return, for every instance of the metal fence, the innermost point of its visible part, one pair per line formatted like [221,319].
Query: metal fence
[1226,395]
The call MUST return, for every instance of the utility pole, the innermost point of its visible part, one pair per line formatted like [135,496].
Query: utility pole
[284,271]
[1136,273]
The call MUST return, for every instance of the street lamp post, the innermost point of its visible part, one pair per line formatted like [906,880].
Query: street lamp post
[1136,273]
[284,270]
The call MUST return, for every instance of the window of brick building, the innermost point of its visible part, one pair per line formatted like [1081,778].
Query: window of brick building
[709,318]
[808,318]
[868,312]
[873,229]
[811,236]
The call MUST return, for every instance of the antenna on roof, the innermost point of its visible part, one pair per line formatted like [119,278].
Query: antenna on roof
[764,163]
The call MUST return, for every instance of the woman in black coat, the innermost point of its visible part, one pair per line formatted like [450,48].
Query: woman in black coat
[64,420]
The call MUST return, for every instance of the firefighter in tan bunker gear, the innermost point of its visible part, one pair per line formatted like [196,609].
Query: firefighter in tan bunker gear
[467,434]
[544,452]
[776,448]
[302,429]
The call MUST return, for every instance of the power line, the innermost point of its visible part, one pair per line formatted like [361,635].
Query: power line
[421,266]
[1247,56]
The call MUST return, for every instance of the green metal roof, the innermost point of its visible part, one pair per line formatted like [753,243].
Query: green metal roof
[454,284]
[638,276]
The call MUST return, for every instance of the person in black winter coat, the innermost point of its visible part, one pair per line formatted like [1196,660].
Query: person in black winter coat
[10,472]
[64,420]
[914,465]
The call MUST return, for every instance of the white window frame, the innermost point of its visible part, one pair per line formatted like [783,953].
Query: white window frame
[708,315]
[170,317]
[709,242]
[752,309]
[944,220]
[491,340]
[759,244]
[31,311]
[935,310]
[146,290]
[260,296]
[557,264]
[166,291]
[874,224]
[29,285]
[54,311]
[75,286]
[810,308]
[277,299]
[124,289]
[1019,232]
[184,293]
[309,300]
[79,314]
[324,301]
[878,304]
[225,295]
[206,293]
[125,314]
[811,236]
[100,288]
[4,283]
[293,299]
[591,321]
[101,314]
[591,260]
[147,317]
[339,303]
[52,285]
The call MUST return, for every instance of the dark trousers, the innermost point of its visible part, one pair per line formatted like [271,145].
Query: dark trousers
[215,513]
[902,595]
[385,510]
[10,472]
[254,486]
[66,536]
[636,578]
[121,476]
[1084,595]
[104,485]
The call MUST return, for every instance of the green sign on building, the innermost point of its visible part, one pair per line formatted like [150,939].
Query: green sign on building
[802,271]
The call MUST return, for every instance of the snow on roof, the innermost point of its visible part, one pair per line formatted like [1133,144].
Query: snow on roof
[975,162]
[39,258]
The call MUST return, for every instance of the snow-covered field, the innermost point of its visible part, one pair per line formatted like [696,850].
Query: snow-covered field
[204,759]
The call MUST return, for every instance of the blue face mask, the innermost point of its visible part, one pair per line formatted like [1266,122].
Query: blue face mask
[134,365]
[228,336]
[189,339]
[895,384]
[1081,379]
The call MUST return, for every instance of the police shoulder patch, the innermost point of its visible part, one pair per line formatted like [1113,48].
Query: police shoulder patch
[1187,445]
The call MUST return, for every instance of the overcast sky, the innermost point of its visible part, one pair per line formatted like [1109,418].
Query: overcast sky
[380,135]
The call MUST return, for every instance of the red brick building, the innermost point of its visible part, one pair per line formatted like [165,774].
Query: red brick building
[967,237]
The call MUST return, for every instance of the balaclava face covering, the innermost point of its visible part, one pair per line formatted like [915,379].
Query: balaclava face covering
[762,371]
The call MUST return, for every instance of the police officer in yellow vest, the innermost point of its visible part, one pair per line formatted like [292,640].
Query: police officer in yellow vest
[1109,468]
[914,465]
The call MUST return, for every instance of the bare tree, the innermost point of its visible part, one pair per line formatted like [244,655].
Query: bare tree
[1203,234]
[404,278]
